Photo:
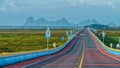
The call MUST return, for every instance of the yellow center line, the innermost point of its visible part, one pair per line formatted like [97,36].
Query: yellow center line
[81,62]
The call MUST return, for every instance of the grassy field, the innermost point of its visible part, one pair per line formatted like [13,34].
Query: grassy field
[17,40]
[115,37]
[112,36]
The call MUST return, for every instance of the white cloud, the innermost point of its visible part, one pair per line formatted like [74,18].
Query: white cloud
[3,8]
[111,4]
[73,4]
[11,6]
[76,2]
[93,4]
[19,5]
[81,1]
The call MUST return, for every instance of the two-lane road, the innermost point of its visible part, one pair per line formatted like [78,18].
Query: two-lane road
[69,57]
[82,52]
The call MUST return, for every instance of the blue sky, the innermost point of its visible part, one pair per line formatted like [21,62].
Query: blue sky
[15,12]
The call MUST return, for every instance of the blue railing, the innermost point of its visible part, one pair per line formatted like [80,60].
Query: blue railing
[110,50]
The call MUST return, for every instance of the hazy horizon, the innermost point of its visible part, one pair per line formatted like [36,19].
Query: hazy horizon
[15,12]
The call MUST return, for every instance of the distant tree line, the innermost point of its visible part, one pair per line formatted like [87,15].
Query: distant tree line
[99,26]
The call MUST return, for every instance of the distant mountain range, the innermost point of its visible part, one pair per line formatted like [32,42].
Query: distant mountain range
[63,22]
[43,22]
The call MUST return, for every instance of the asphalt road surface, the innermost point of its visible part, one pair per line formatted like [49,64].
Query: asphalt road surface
[82,52]
[70,59]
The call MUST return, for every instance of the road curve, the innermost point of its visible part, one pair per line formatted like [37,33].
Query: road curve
[73,56]
[67,58]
